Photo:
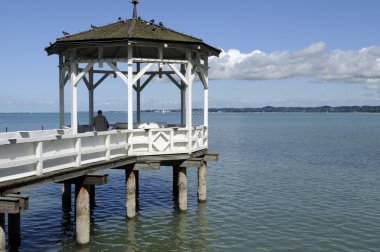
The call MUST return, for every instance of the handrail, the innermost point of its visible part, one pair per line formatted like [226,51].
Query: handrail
[38,154]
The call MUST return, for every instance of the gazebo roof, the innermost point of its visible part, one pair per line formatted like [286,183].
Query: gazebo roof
[129,30]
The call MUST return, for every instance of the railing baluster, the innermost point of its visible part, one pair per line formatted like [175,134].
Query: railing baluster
[150,139]
[78,149]
[108,144]
[39,151]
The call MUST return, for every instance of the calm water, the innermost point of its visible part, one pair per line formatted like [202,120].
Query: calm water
[284,182]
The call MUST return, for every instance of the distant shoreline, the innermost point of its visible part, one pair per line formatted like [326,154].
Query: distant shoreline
[266,109]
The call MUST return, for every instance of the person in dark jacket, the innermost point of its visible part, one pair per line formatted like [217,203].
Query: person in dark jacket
[100,122]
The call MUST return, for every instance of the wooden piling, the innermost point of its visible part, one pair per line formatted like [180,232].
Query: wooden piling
[175,183]
[202,173]
[130,177]
[82,212]
[14,230]
[2,232]
[66,196]
[182,189]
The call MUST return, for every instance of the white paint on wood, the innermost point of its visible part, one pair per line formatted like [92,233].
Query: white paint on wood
[118,72]
[141,73]
[180,75]
[74,98]
[39,153]
[130,88]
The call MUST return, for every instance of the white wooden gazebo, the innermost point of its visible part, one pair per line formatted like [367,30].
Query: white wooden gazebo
[142,45]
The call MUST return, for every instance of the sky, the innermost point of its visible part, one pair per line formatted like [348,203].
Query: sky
[275,52]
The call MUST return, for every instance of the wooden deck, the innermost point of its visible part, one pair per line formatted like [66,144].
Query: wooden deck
[136,162]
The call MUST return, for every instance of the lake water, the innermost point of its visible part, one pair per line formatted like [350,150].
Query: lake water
[284,182]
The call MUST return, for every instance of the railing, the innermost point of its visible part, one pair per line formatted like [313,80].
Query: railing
[24,154]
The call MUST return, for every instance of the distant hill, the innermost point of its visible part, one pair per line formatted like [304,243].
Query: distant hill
[322,109]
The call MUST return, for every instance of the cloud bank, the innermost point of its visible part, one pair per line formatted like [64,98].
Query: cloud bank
[362,66]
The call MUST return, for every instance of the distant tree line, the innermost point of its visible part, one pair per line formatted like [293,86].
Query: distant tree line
[322,109]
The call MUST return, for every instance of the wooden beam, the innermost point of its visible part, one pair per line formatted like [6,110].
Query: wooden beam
[101,80]
[93,179]
[81,75]
[211,157]
[23,200]
[118,72]
[9,205]
[141,73]
[146,82]
[175,82]
[191,162]
[146,166]
[180,75]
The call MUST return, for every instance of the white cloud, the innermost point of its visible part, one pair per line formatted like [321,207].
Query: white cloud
[362,66]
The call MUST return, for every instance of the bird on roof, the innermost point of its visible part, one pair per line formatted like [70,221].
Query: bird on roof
[66,33]
[161,24]
[93,26]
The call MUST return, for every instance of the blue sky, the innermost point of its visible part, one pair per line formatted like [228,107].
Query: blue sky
[279,53]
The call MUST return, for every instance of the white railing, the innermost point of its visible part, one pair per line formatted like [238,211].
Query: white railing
[29,153]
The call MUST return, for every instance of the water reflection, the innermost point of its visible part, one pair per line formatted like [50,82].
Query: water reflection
[131,243]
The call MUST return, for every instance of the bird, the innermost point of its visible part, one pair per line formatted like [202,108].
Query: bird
[66,33]
[152,21]
[93,26]
[120,18]
[161,24]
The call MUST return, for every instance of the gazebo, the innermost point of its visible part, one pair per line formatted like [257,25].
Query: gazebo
[141,44]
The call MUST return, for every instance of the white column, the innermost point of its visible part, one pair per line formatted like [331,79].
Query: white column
[130,88]
[61,93]
[205,108]
[138,93]
[205,116]
[189,107]
[183,96]
[74,98]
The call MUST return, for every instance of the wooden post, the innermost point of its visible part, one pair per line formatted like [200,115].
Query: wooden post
[182,189]
[66,196]
[2,232]
[82,213]
[202,172]
[130,193]
[175,183]
[14,230]
[91,97]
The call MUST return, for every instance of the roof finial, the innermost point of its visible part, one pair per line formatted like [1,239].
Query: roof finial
[135,2]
